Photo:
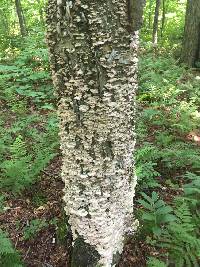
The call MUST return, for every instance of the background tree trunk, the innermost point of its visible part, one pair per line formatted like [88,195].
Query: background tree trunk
[20,16]
[163,18]
[191,43]
[135,10]
[150,13]
[93,60]
[155,23]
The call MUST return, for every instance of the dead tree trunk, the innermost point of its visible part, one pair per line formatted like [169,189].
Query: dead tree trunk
[155,23]
[92,46]
[21,19]
[191,43]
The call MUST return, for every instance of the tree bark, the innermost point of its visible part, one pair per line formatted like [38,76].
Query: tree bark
[163,18]
[191,43]
[20,16]
[150,12]
[93,57]
[135,11]
[155,23]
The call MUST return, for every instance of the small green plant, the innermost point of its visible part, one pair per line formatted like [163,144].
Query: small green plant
[154,262]
[23,168]
[146,163]
[9,257]
[62,229]
[2,199]
[18,148]
[168,110]
[39,199]
[180,238]
[192,189]
[19,108]
[155,213]
[34,228]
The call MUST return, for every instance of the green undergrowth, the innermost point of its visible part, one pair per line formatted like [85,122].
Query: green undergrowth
[168,160]
[28,132]
[31,139]
[167,156]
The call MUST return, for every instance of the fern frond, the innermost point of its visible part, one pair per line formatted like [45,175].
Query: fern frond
[9,257]
[18,148]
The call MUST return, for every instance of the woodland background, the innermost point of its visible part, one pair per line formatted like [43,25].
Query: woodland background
[33,227]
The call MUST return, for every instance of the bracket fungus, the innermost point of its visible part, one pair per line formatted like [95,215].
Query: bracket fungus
[93,58]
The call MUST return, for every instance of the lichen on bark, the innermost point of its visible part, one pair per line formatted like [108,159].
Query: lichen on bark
[94,67]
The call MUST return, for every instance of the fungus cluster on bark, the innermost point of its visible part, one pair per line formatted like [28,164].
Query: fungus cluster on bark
[94,67]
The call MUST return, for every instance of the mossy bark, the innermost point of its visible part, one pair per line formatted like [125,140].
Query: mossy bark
[93,56]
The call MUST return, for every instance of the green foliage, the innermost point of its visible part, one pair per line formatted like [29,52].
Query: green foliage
[168,102]
[10,40]
[168,110]
[9,257]
[156,213]
[22,169]
[181,240]
[146,158]
[170,113]
[31,141]
[2,199]
[153,262]
[192,189]
[18,148]
[39,199]
[27,80]
[34,228]
[173,26]
[62,230]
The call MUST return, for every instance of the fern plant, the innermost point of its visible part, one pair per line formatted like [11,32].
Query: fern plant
[146,163]
[9,257]
[1,203]
[192,189]
[154,262]
[15,170]
[35,226]
[18,148]
[180,239]
[155,213]
[22,169]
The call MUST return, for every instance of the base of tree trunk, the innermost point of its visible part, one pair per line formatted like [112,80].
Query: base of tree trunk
[84,255]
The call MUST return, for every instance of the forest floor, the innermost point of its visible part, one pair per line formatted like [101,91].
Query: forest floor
[167,159]
[44,249]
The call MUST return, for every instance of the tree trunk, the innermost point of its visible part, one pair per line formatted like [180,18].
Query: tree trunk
[163,18]
[94,63]
[135,11]
[20,17]
[150,12]
[191,43]
[155,23]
